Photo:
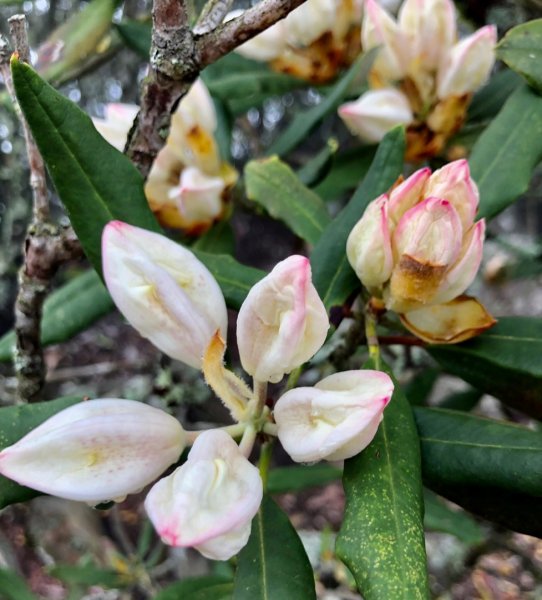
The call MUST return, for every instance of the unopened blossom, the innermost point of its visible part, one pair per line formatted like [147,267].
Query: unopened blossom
[419,245]
[209,502]
[188,182]
[282,323]
[335,419]
[314,42]
[420,59]
[96,450]
[163,290]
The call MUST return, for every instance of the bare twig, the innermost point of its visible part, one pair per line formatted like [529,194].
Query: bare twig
[178,56]
[46,245]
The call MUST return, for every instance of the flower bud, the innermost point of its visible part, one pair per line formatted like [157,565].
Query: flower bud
[267,45]
[163,290]
[282,323]
[309,21]
[334,420]
[96,451]
[209,502]
[116,124]
[375,113]
[369,245]
[468,64]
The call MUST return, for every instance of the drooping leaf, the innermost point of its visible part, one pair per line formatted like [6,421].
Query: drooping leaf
[381,539]
[234,279]
[332,275]
[305,121]
[491,468]
[95,182]
[82,38]
[67,311]
[504,361]
[300,477]
[505,155]
[198,588]
[521,50]
[272,184]
[16,422]
[440,517]
[273,564]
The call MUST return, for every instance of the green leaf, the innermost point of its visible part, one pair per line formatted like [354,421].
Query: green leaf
[317,168]
[305,121]
[220,239]
[440,517]
[331,273]
[137,36]
[234,279]
[347,170]
[300,477]
[418,389]
[465,400]
[492,468]
[13,586]
[87,575]
[505,155]
[67,311]
[521,50]
[195,587]
[381,539]
[95,182]
[15,423]
[504,361]
[272,184]
[273,564]
[82,37]
[488,101]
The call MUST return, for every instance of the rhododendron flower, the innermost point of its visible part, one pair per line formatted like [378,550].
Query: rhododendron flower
[96,451]
[163,290]
[419,246]
[282,323]
[314,42]
[188,182]
[335,419]
[420,59]
[209,502]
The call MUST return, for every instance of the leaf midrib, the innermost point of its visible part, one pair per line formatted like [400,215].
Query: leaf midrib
[482,445]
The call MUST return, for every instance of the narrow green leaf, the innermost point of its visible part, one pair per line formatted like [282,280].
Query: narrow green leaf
[331,273]
[234,279]
[381,539]
[347,170]
[317,168]
[67,311]
[273,564]
[95,182]
[87,575]
[504,361]
[272,184]
[521,50]
[491,468]
[440,517]
[13,586]
[305,121]
[505,155]
[137,36]
[16,422]
[188,588]
[300,477]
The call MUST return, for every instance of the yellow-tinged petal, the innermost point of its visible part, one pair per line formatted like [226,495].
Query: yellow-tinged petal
[450,323]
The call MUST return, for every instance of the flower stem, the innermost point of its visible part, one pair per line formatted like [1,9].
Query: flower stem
[372,339]
[248,439]
[265,461]
[260,396]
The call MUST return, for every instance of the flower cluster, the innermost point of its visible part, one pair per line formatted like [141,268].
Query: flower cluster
[422,77]
[418,249]
[188,182]
[314,42]
[102,450]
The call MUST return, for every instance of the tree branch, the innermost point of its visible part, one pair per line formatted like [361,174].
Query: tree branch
[177,58]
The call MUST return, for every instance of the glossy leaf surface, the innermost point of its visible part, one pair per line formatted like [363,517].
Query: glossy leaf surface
[521,50]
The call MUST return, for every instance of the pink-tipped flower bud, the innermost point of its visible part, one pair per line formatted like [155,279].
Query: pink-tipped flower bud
[209,502]
[163,290]
[282,322]
[468,64]
[375,113]
[335,419]
[96,451]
